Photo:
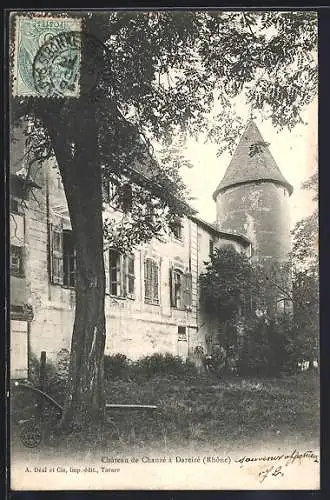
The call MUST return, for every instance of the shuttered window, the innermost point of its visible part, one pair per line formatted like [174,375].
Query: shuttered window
[56,254]
[187,290]
[151,281]
[62,256]
[114,272]
[69,260]
[130,275]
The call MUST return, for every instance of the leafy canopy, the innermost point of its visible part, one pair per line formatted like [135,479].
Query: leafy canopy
[305,235]
[169,75]
[226,282]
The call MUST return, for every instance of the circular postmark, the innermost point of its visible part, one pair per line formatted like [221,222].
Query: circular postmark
[69,64]
[30,434]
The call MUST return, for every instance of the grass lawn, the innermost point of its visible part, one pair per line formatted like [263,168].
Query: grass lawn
[204,412]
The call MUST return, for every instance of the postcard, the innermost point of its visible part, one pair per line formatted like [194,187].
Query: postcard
[163,216]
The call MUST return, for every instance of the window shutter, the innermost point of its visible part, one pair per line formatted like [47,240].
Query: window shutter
[130,274]
[155,281]
[188,289]
[172,287]
[123,275]
[147,288]
[106,270]
[56,254]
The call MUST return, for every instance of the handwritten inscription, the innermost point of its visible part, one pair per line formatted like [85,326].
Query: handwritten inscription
[274,471]
[295,455]
[277,470]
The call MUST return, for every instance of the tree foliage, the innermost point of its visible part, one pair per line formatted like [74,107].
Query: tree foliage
[243,295]
[304,254]
[227,280]
[170,75]
[305,267]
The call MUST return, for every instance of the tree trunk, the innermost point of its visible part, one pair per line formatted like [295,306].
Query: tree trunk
[74,137]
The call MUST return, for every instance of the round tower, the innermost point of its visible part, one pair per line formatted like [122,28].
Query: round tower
[253,198]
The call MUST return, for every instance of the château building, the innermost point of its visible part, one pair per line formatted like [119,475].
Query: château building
[152,295]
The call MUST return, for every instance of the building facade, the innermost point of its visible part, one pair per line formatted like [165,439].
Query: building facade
[152,295]
[152,299]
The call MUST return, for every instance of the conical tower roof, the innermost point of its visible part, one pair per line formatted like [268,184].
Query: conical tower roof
[251,162]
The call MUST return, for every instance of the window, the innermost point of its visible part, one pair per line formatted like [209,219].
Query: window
[56,254]
[114,271]
[177,289]
[151,281]
[119,273]
[177,229]
[16,261]
[182,333]
[181,289]
[110,190]
[69,259]
[62,265]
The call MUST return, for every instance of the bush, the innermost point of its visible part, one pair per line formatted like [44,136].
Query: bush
[116,366]
[268,349]
[34,371]
[163,364]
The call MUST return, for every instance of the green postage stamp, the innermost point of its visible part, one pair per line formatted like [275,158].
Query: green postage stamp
[46,60]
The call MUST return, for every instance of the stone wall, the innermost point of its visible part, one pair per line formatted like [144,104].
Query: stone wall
[259,211]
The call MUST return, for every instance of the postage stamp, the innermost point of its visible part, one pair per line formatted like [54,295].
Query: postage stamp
[69,65]
[33,36]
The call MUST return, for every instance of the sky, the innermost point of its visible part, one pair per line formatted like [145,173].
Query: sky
[295,153]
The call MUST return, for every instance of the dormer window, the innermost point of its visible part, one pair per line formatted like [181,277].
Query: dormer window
[177,229]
